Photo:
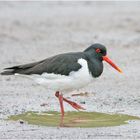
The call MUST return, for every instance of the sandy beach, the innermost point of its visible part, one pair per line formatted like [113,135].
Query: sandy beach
[32,31]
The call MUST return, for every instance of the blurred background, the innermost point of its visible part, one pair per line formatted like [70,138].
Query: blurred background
[31,31]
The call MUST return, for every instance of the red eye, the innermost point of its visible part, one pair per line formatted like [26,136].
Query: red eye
[98,50]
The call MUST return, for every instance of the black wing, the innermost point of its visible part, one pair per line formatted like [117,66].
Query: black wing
[60,64]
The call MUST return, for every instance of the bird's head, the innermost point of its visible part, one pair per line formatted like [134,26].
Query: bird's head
[99,51]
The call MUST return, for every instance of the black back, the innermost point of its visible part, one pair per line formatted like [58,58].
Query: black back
[62,64]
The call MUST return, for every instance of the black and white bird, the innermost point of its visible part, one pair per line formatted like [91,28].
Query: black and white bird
[66,72]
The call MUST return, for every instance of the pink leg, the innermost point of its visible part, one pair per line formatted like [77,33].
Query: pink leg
[60,97]
[73,104]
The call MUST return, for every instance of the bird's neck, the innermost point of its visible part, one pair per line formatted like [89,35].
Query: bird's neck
[95,65]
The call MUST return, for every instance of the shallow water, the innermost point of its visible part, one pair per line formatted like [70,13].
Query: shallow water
[74,119]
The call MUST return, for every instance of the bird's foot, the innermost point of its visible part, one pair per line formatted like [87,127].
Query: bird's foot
[73,104]
[61,122]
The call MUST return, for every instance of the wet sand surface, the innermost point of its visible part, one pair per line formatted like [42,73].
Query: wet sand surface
[31,31]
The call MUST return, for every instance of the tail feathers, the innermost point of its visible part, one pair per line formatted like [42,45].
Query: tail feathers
[8,72]
[15,67]
[21,69]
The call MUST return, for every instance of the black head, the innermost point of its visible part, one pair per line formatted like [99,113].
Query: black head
[98,50]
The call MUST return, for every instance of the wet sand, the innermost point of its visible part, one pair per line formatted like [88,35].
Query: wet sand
[31,31]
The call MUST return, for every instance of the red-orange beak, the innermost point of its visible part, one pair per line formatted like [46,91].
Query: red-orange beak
[108,60]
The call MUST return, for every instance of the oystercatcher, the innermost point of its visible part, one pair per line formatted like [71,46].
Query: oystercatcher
[66,72]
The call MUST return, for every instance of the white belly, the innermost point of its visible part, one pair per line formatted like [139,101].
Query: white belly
[58,82]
